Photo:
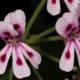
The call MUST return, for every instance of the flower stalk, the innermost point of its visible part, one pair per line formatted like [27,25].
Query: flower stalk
[37,74]
[11,74]
[34,17]
[44,40]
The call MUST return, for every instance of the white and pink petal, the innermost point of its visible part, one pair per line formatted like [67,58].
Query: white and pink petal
[20,67]
[72,4]
[53,7]
[17,19]
[4,58]
[67,59]
[33,56]
[6,30]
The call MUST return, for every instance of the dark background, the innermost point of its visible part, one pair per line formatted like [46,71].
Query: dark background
[48,69]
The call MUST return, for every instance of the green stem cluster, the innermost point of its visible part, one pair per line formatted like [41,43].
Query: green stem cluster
[34,39]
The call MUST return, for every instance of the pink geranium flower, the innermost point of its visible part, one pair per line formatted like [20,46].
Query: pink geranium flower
[11,31]
[53,6]
[68,26]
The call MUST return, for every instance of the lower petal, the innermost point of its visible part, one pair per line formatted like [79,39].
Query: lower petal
[78,50]
[67,58]
[33,56]
[4,58]
[20,67]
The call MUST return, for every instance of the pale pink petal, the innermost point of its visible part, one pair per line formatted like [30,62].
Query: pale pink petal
[53,7]
[71,4]
[67,59]
[77,11]
[32,55]
[20,67]
[6,30]
[17,19]
[77,47]
[66,24]
[4,58]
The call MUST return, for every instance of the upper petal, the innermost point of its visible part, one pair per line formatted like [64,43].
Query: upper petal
[53,7]
[33,56]
[20,67]
[66,24]
[67,59]
[71,4]
[18,19]
[6,30]
[4,58]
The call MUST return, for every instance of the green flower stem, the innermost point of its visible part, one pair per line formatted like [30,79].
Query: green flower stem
[34,17]
[37,74]
[11,75]
[49,39]
[45,33]
[50,57]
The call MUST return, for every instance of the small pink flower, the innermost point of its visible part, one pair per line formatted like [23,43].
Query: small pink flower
[11,31]
[53,6]
[68,26]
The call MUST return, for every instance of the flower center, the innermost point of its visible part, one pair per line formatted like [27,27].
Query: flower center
[14,41]
[72,31]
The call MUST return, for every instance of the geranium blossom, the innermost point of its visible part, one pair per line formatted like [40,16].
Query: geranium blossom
[11,31]
[53,6]
[68,26]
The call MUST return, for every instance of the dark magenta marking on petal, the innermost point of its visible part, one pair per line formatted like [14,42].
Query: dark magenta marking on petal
[70,1]
[16,26]
[6,38]
[3,58]
[30,54]
[69,27]
[68,55]
[79,19]
[7,33]
[19,62]
[53,1]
